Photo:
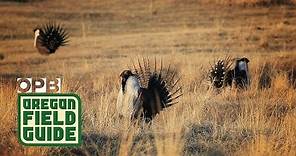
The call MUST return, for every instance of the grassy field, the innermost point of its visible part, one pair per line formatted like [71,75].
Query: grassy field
[107,35]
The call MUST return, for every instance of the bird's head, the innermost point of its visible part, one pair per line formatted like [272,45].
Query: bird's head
[36,33]
[125,74]
[242,64]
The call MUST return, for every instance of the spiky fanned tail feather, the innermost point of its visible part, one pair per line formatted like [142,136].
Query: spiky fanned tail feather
[52,36]
[220,73]
[160,87]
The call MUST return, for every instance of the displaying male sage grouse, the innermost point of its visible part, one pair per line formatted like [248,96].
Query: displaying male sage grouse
[222,74]
[144,92]
[219,73]
[49,37]
[241,75]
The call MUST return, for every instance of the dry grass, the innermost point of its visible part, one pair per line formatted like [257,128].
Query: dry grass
[204,122]
[107,35]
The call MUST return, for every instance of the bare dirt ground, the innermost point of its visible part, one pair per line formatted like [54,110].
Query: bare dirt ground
[107,35]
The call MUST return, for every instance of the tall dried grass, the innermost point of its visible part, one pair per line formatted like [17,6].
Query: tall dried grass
[258,121]
[252,122]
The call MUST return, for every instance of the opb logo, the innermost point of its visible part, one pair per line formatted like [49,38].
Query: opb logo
[39,85]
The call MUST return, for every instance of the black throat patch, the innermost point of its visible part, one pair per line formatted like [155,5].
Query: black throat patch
[123,83]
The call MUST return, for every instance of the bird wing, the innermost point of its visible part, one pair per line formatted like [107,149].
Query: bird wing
[41,49]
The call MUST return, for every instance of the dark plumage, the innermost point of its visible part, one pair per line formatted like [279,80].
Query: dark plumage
[49,37]
[219,74]
[241,73]
[159,89]
[124,76]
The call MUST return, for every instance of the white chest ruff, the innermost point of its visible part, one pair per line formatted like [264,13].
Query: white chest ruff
[242,66]
[128,101]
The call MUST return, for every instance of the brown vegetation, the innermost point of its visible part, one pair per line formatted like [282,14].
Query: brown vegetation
[107,35]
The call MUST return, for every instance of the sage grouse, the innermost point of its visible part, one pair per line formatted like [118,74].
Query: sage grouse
[49,37]
[219,75]
[222,74]
[144,92]
[241,75]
